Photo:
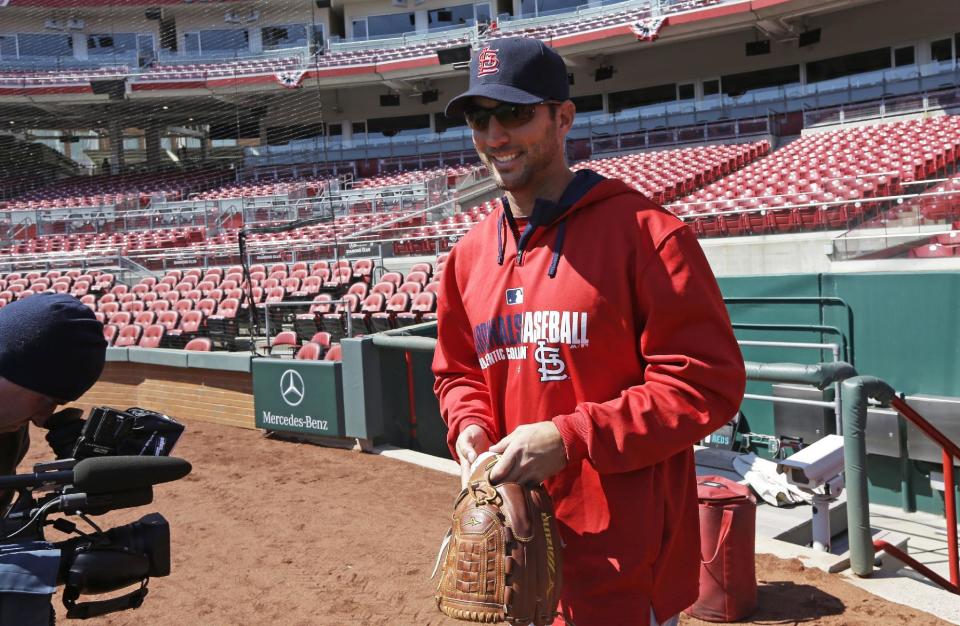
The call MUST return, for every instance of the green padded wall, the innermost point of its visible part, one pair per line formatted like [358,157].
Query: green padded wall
[905,331]
[759,413]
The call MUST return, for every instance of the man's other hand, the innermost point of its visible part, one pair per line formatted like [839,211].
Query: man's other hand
[529,455]
[471,443]
[64,428]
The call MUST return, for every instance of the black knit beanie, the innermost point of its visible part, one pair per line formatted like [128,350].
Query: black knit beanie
[52,344]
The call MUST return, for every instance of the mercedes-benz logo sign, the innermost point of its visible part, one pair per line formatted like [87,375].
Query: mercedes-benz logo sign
[292,388]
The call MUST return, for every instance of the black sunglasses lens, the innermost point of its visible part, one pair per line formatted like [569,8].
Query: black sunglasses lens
[478,118]
[508,115]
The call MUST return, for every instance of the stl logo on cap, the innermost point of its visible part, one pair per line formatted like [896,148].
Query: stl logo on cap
[487,62]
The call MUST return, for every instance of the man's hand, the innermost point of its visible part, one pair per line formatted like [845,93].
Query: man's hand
[529,455]
[64,428]
[471,443]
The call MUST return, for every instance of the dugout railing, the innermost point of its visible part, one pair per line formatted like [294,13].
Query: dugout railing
[858,391]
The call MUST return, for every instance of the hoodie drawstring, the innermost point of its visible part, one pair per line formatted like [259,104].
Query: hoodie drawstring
[558,247]
[501,244]
[525,236]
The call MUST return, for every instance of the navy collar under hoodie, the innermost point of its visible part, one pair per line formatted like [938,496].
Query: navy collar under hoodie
[544,214]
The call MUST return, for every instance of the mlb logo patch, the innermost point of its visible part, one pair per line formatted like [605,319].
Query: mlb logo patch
[515,296]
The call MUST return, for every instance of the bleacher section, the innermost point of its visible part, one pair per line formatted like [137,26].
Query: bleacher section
[212,304]
[346,55]
[157,240]
[663,175]
[828,180]
[415,176]
[217,69]
[666,175]
[51,77]
[311,186]
[939,204]
[825,180]
[940,247]
[108,190]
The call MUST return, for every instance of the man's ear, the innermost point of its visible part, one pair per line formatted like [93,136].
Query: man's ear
[566,111]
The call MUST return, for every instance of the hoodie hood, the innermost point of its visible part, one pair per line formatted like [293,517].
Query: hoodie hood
[583,190]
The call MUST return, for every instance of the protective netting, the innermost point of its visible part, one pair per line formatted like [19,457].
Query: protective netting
[132,127]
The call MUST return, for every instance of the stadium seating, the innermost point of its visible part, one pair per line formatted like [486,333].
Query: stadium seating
[663,176]
[284,344]
[200,344]
[414,176]
[307,187]
[666,175]
[152,336]
[824,180]
[131,190]
[335,322]
[334,353]
[307,324]
[939,204]
[387,318]
[164,72]
[374,303]
[423,306]
[191,71]
[128,336]
[309,352]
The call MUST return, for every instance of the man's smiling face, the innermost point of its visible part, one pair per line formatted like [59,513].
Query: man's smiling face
[519,158]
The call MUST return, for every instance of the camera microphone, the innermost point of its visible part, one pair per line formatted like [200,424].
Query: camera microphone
[98,475]
[125,473]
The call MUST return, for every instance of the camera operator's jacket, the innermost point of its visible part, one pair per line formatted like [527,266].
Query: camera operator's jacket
[28,566]
[605,318]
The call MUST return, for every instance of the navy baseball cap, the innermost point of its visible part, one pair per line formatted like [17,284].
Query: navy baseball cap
[518,70]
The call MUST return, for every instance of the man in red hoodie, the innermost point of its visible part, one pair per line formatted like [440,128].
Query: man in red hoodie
[582,336]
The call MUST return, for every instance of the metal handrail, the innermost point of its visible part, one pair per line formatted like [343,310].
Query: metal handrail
[819,300]
[266,315]
[950,451]
[812,328]
[856,393]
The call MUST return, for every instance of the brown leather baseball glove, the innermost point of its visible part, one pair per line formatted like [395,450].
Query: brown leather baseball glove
[501,559]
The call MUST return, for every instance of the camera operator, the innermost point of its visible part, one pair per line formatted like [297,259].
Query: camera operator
[52,351]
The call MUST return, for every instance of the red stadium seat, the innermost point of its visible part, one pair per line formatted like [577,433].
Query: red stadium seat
[359,289]
[129,336]
[170,320]
[322,339]
[334,323]
[374,303]
[386,288]
[424,304]
[200,344]
[387,319]
[334,353]
[284,344]
[309,352]
[152,336]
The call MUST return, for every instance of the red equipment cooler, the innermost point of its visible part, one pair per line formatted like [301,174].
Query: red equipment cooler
[728,581]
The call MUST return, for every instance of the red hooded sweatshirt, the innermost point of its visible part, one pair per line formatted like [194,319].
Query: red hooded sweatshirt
[605,318]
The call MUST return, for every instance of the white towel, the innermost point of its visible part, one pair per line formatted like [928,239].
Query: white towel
[773,487]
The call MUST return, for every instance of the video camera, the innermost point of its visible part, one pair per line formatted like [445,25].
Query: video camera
[117,458]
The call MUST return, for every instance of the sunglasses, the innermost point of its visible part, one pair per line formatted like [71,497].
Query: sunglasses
[508,115]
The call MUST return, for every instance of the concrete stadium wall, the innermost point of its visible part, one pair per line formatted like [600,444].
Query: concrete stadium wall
[801,253]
